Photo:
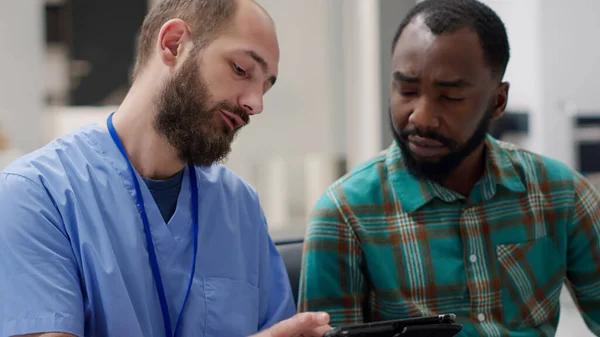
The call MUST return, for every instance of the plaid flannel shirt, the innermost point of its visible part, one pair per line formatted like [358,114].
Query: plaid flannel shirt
[383,245]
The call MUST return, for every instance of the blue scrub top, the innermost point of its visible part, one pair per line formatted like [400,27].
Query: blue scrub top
[74,259]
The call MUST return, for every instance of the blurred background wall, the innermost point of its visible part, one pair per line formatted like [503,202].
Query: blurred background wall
[65,63]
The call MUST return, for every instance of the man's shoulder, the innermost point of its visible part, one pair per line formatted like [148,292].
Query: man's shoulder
[52,160]
[535,168]
[362,185]
[229,182]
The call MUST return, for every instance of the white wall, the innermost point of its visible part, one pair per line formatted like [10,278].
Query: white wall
[21,66]
[304,113]
[569,70]
[571,51]
[362,83]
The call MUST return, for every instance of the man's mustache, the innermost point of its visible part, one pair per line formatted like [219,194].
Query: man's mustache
[450,143]
[234,110]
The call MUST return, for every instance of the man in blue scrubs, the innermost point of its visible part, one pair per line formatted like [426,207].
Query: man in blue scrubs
[132,228]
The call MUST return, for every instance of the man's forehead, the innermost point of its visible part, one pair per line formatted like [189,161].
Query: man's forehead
[256,30]
[417,45]
[418,35]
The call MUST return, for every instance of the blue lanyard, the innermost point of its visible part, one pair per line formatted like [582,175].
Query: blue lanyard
[153,261]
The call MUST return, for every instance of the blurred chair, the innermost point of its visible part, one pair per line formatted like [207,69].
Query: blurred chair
[291,252]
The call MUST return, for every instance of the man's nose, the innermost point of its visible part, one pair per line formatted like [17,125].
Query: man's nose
[252,102]
[425,115]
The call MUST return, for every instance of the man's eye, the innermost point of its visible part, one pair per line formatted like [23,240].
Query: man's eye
[239,70]
[454,99]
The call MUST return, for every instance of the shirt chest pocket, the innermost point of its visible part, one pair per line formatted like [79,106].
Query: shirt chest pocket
[532,274]
[232,307]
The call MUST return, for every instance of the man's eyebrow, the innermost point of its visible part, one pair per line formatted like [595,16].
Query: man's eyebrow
[458,83]
[262,63]
[401,77]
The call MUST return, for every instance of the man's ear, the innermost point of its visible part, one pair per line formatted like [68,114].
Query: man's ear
[172,39]
[501,100]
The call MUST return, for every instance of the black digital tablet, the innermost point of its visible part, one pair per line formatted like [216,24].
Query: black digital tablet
[430,326]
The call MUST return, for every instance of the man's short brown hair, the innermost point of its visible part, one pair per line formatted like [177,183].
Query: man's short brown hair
[205,17]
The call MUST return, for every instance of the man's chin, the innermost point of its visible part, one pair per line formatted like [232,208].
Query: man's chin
[211,154]
[207,162]
[431,171]
[425,161]
[429,168]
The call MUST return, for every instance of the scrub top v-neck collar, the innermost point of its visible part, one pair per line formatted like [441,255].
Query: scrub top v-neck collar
[166,235]
[141,193]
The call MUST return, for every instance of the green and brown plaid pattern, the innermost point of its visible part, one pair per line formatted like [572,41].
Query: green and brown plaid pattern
[384,245]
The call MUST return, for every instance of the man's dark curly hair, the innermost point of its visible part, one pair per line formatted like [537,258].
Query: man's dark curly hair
[447,16]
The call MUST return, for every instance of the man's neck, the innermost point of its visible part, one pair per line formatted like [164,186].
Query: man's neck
[466,175]
[149,152]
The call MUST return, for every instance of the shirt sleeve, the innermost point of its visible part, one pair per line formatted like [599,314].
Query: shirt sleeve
[276,300]
[39,283]
[332,278]
[583,255]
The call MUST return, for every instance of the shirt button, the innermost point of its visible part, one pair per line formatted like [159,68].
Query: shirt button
[473,258]
[481,317]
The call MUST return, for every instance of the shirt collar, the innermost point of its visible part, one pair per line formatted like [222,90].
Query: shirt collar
[413,193]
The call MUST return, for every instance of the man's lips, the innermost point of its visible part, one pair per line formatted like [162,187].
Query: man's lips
[428,142]
[425,147]
[234,121]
